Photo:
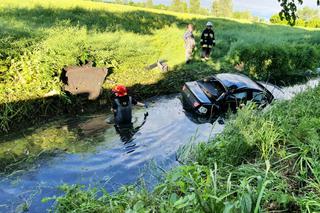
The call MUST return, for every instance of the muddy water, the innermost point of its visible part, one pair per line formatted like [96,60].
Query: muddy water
[87,150]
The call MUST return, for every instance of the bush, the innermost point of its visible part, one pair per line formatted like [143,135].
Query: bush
[313,22]
[272,62]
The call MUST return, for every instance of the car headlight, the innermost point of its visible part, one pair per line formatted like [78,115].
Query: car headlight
[202,110]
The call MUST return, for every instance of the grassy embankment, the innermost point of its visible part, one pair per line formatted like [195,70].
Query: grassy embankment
[264,161]
[39,38]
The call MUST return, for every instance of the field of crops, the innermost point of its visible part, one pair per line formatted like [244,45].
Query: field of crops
[39,38]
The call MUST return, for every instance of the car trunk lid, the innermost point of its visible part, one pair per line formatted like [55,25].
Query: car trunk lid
[198,92]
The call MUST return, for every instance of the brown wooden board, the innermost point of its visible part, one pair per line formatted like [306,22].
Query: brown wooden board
[85,80]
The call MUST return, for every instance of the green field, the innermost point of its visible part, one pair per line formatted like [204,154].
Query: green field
[263,161]
[39,38]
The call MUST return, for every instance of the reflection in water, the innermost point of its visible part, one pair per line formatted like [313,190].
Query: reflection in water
[92,126]
[287,93]
[127,132]
[203,119]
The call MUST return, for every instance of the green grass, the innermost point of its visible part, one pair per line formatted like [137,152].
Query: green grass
[264,161]
[39,38]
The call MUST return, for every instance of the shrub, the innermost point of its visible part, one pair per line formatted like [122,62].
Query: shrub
[272,62]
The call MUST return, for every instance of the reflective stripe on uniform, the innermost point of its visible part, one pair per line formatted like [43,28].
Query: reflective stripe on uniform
[204,45]
[211,35]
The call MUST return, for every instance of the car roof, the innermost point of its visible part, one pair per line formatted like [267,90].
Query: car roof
[237,80]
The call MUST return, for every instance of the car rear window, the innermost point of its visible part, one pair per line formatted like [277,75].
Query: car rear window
[212,88]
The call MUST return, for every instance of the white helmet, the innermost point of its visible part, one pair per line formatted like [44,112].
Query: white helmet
[209,24]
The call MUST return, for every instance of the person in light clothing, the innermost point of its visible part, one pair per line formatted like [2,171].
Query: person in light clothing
[189,42]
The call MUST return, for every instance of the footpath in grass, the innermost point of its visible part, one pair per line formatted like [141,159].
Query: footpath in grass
[263,161]
[39,38]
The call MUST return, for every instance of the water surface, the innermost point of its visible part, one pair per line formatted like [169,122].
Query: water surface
[95,154]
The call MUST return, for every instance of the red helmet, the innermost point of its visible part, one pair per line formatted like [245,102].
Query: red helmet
[120,90]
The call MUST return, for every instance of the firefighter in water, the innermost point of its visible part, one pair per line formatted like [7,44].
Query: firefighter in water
[207,41]
[122,106]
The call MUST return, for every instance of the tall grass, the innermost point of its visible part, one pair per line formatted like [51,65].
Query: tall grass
[39,38]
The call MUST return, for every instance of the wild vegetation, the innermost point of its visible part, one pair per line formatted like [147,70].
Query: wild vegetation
[39,38]
[306,17]
[264,161]
[289,10]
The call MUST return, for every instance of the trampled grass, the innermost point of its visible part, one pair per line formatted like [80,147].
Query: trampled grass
[39,38]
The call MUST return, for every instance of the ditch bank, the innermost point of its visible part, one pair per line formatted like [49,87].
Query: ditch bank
[86,150]
[26,113]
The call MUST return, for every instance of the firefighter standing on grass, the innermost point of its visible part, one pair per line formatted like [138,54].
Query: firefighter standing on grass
[207,41]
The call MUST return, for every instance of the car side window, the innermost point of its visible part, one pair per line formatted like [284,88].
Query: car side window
[240,95]
[258,96]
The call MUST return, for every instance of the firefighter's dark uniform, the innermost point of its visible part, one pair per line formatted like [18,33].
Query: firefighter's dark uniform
[207,42]
[122,107]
